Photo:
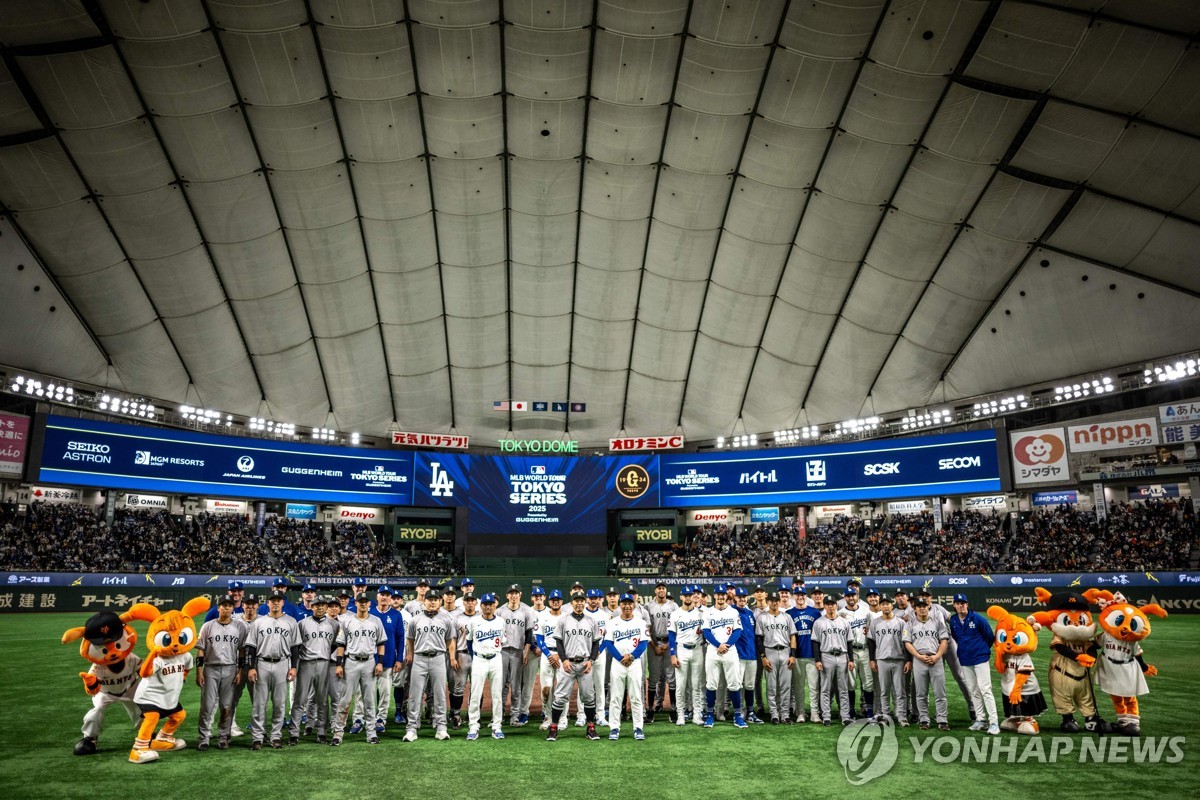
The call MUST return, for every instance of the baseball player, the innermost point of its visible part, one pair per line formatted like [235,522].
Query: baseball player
[335,682]
[317,635]
[279,586]
[890,660]
[544,628]
[687,657]
[361,640]
[775,644]
[938,611]
[400,670]
[273,653]
[357,586]
[831,647]
[240,611]
[722,628]
[852,586]
[219,652]
[486,635]
[392,658]
[235,590]
[596,609]
[926,640]
[430,637]
[626,641]
[519,626]
[862,678]
[308,596]
[662,673]
[417,606]
[458,677]
[746,652]
[249,614]
[577,645]
[804,671]
[114,681]
[973,637]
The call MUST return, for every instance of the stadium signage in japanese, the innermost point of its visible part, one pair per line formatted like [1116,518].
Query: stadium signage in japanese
[1181,434]
[14,433]
[538,446]
[226,506]
[1039,456]
[300,511]
[628,443]
[991,502]
[764,514]
[1055,498]
[1112,435]
[907,507]
[448,441]
[842,510]
[1180,412]
[54,494]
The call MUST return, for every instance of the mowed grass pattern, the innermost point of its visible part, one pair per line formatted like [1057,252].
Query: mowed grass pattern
[43,705]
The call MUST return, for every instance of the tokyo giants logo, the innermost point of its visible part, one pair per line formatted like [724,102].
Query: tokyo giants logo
[632,481]
[1043,449]
[245,464]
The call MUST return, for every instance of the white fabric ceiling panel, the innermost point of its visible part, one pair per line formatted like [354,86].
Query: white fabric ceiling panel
[314,198]
[620,134]
[1190,207]
[327,255]
[152,224]
[1119,67]
[542,291]
[86,89]
[653,404]
[367,63]
[215,356]
[1015,209]
[1028,46]
[616,191]
[734,318]
[110,300]
[909,247]
[274,324]
[839,389]
[234,210]
[1176,15]
[862,171]
[1106,229]
[279,68]
[978,265]
[409,297]
[458,62]
[400,245]
[468,186]
[546,65]
[473,241]
[940,323]
[1069,142]
[601,344]
[976,126]
[1177,103]
[474,392]
[255,268]
[137,20]
[263,15]
[881,302]
[806,92]
[392,191]
[460,128]
[797,336]
[421,401]
[1169,255]
[72,238]
[180,77]
[358,381]
[836,29]
[757,25]
[679,253]
[764,213]
[773,393]
[901,42]
[548,15]
[612,245]
[15,114]
[670,304]
[475,291]
[545,129]
[605,295]
[780,155]
[605,396]
[640,18]
[540,341]
[909,378]
[163,278]
[815,283]
[543,187]
[454,13]
[416,349]
[939,188]
[836,228]
[703,143]
[1080,333]
[688,200]
[660,353]
[38,175]
[748,267]
[361,14]
[478,341]
[120,159]
[891,106]
[341,309]
[296,137]
[32,23]
[384,130]
[209,147]
[709,406]
[631,70]
[1152,166]
[719,79]
[147,351]
[549,380]
[282,372]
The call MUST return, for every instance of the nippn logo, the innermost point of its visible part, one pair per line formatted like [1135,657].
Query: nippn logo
[1043,449]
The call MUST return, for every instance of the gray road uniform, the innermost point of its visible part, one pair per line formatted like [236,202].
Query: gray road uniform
[429,639]
[926,638]
[361,640]
[459,677]
[519,625]
[775,640]
[577,641]
[831,637]
[662,674]
[312,676]
[951,657]
[272,648]
[334,685]
[885,646]
[221,647]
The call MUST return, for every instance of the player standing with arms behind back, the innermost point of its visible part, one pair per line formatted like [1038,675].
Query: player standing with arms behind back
[627,639]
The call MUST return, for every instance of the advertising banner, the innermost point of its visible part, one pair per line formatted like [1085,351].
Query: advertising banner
[907,507]
[1180,412]
[446,440]
[1055,498]
[699,517]
[213,506]
[54,494]
[764,515]
[363,514]
[651,534]
[837,510]
[1181,434]
[154,501]
[1157,491]
[14,435]
[300,511]
[1115,435]
[1039,456]
[628,443]
[1099,502]
[990,502]
[422,533]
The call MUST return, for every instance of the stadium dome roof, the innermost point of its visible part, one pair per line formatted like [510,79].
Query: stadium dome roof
[680,212]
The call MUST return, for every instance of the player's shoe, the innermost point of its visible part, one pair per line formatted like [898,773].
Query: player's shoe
[399,718]
[581,721]
[924,725]
[590,733]
[650,717]
[256,745]
[441,735]
[455,721]
[552,734]
[638,734]
[357,728]
[472,735]
[497,733]
[308,731]
[708,720]
[320,740]
[993,729]
[85,746]
[815,718]
[522,719]
[372,740]
[614,734]
[738,722]
[755,719]
[202,747]
[681,721]
[697,719]
[336,742]
[411,736]
[846,722]
[235,731]
[977,725]
[545,724]
[379,730]
[826,723]
[276,744]
[601,721]
[943,726]
[293,741]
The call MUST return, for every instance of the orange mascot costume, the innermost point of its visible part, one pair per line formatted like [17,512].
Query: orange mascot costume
[1121,670]
[171,637]
[1069,619]
[108,642]
[1015,641]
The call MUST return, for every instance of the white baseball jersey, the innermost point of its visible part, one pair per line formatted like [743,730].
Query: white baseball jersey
[627,634]
[163,686]
[602,618]
[486,636]
[722,622]
[686,627]
[118,684]
[545,624]
[858,619]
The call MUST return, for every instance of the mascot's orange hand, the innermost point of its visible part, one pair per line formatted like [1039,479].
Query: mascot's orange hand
[1084,660]
[91,684]
[1151,670]
[1014,696]
[147,668]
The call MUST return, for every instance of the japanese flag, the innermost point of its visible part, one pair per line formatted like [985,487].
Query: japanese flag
[520,405]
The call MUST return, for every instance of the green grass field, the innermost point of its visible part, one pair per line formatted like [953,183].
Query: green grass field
[43,705]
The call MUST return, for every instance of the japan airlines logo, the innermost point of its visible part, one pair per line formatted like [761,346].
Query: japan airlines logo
[142,457]
[245,464]
[1045,448]
[440,482]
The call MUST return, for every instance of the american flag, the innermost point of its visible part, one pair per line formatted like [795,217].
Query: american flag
[500,405]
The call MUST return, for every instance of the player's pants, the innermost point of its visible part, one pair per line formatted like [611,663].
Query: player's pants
[749,679]
[428,674]
[892,688]
[863,679]
[513,672]
[624,679]
[804,671]
[217,693]
[490,669]
[834,670]
[690,682]
[546,676]
[272,687]
[568,680]
[779,682]
[335,687]
[360,682]
[527,680]
[956,671]
[600,684]
[718,666]
[458,679]
[662,674]
[93,721]
[924,675]
[979,682]
[383,696]
[312,689]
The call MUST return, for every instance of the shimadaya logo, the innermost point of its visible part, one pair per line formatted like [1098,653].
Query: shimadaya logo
[1044,449]
[867,750]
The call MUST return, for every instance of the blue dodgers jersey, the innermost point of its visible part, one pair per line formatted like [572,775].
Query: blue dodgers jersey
[745,644]
[804,619]
[393,626]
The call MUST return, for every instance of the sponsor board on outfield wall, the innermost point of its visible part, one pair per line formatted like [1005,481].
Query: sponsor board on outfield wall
[1180,412]
[651,534]
[1114,435]
[991,502]
[422,533]
[220,506]
[1157,491]
[14,436]
[1055,498]
[764,515]
[1039,456]
[834,510]
[907,507]
[449,441]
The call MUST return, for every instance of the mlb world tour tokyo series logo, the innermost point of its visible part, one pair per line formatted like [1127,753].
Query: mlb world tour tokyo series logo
[869,750]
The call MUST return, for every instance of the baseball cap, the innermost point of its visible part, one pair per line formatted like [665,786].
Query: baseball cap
[448,590]
[901,592]
[761,588]
[423,582]
[660,583]
[924,593]
[830,601]
[885,598]
[817,590]
[344,593]
[773,596]
[469,596]
[516,587]
[276,596]
[235,585]
[851,590]
[321,600]
[104,626]
[385,589]
[279,582]
[798,589]
[594,593]
[633,590]
[359,582]
[537,591]
[466,582]
[488,598]
[251,600]
[227,600]
[613,590]
[920,602]
[720,587]
[960,598]
[740,591]
[627,598]
[362,598]
[578,596]
[308,587]
[872,591]
[576,584]
[555,594]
